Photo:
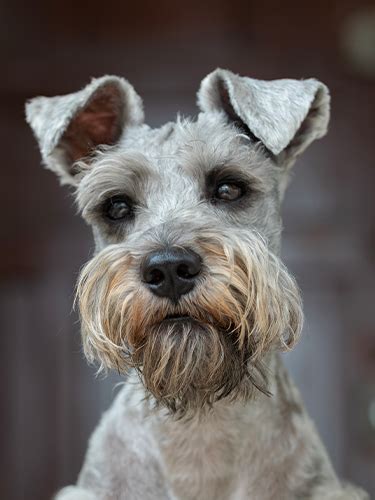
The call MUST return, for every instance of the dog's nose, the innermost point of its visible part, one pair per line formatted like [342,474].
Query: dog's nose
[171,272]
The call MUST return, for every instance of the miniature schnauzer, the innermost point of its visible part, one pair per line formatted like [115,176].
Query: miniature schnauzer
[186,293]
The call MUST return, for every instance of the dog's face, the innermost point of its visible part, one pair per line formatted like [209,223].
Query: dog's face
[186,285]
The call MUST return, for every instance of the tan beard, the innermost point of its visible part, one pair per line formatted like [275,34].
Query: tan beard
[188,366]
[246,305]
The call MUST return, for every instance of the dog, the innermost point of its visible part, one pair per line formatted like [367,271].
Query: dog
[186,294]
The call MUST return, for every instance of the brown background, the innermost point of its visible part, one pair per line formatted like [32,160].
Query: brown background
[50,399]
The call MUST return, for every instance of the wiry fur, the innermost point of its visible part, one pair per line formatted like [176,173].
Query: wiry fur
[245,305]
[207,411]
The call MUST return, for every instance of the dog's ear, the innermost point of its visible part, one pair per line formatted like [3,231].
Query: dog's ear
[285,115]
[70,127]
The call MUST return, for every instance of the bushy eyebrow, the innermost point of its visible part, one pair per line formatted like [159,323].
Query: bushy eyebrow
[113,175]
[234,157]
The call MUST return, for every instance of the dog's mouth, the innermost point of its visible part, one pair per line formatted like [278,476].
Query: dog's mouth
[178,318]
[181,320]
[184,322]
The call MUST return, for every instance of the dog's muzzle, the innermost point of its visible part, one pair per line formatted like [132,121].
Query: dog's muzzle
[196,329]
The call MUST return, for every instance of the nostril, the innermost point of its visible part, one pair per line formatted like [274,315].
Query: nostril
[154,277]
[186,272]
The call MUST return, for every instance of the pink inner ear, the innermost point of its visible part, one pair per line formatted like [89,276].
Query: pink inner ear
[99,122]
[100,127]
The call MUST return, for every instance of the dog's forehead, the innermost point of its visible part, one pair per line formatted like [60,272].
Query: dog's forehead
[166,172]
[150,140]
[191,148]
[210,130]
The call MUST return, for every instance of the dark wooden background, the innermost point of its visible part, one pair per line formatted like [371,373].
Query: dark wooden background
[50,400]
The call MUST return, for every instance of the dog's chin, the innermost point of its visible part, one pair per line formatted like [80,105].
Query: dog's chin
[187,365]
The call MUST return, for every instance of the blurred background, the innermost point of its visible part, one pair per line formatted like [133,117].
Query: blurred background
[50,399]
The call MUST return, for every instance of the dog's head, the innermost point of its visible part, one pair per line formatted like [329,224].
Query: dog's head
[186,285]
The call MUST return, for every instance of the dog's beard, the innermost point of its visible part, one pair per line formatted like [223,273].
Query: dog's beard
[186,365]
[211,344]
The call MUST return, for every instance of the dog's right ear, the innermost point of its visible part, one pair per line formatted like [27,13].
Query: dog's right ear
[69,128]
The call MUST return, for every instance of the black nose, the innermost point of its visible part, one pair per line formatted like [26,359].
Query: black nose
[171,272]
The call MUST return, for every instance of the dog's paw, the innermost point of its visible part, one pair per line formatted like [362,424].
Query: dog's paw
[74,493]
[346,493]
[352,493]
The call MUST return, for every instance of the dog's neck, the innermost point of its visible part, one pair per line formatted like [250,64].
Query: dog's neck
[218,442]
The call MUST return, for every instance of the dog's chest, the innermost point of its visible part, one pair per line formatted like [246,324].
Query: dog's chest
[202,457]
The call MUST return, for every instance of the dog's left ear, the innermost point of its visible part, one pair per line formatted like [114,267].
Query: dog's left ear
[285,115]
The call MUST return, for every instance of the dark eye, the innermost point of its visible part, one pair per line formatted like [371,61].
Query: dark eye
[228,191]
[117,208]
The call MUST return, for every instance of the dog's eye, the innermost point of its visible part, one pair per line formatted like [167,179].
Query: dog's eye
[228,191]
[117,208]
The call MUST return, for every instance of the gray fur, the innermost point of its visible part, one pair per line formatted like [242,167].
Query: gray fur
[49,118]
[247,444]
[283,114]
